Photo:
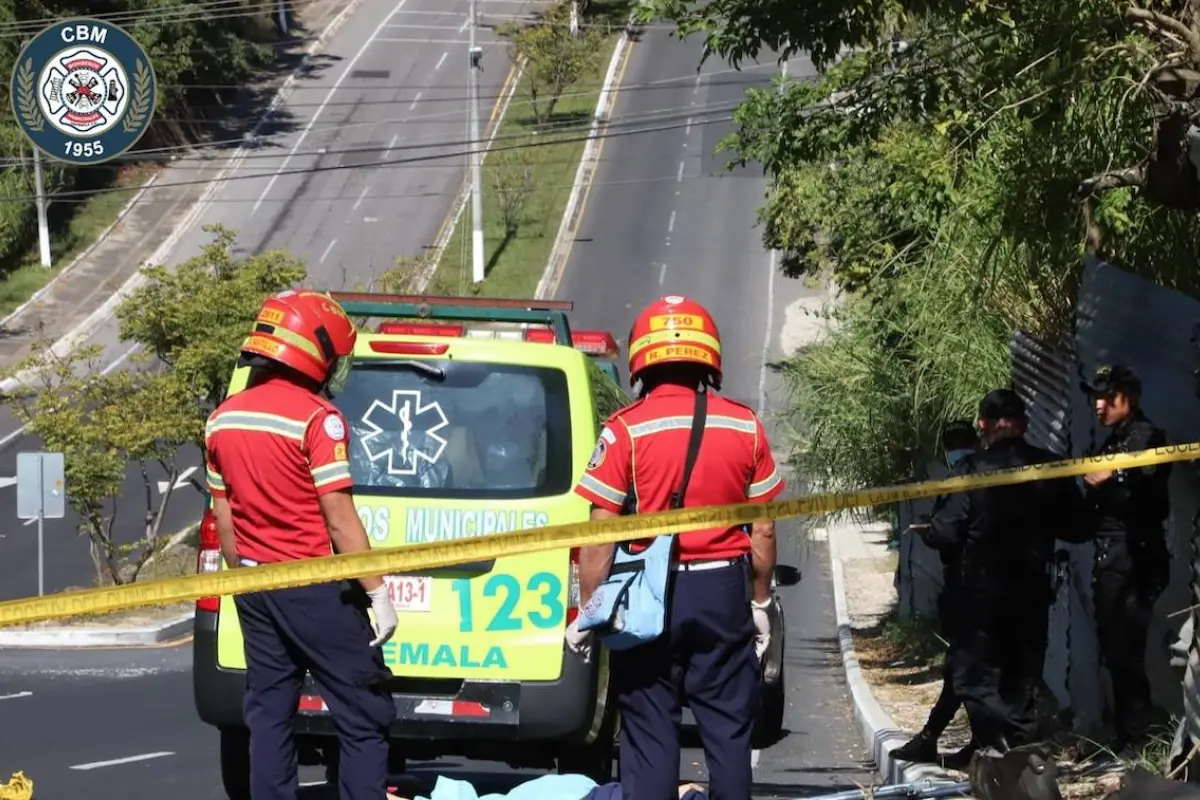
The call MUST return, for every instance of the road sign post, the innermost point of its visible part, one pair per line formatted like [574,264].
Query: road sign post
[41,495]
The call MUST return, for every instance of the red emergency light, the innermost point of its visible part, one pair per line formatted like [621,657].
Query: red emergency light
[421,329]
[409,348]
[596,343]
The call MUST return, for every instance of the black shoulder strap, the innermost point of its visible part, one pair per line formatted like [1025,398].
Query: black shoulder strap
[699,417]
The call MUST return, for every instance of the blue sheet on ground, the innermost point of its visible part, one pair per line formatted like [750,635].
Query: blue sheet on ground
[547,787]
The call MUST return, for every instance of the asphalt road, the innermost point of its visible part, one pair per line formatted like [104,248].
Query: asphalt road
[120,723]
[665,217]
[393,78]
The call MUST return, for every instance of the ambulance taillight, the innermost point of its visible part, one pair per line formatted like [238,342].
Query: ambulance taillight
[208,557]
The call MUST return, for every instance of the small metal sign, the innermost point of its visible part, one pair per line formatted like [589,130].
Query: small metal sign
[41,486]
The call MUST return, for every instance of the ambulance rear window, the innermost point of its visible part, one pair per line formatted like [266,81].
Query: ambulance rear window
[457,429]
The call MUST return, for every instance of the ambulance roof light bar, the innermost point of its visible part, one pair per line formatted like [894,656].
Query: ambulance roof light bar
[595,343]
[459,309]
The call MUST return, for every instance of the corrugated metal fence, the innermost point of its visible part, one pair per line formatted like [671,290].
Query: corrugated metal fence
[1120,318]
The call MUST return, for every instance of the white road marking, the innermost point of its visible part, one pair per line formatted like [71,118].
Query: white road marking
[6,482]
[118,361]
[481,43]
[118,761]
[754,756]
[313,783]
[762,373]
[328,247]
[414,102]
[361,196]
[29,521]
[442,60]
[687,129]
[15,695]
[337,85]
[671,223]
[679,174]
[662,274]
[463,27]
[180,482]
[392,143]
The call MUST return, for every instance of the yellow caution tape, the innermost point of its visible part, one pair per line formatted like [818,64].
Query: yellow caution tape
[19,788]
[422,557]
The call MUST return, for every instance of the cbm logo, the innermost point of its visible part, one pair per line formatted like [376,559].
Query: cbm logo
[83,91]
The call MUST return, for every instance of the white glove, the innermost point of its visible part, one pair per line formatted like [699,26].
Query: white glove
[579,642]
[385,620]
[762,627]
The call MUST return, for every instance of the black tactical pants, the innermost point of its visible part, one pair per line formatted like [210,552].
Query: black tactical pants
[1124,592]
[974,663]
[1026,637]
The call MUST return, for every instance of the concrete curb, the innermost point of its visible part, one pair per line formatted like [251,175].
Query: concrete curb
[81,332]
[572,212]
[879,730]
[98,636]
[72,636]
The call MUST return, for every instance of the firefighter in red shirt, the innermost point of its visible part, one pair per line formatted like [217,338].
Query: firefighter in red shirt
[721,582]
[280,482]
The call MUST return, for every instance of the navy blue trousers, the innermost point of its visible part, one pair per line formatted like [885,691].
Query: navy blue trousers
[706,657]
[324,630]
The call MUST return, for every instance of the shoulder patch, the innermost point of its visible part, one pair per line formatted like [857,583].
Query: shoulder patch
[334,428]
[608,436]
[598,454]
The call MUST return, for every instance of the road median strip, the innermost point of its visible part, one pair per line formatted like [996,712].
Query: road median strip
[530,180]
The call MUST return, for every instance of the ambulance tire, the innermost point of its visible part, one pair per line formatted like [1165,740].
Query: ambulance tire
[768,723]
[596,760]
[592,761]
[235,763]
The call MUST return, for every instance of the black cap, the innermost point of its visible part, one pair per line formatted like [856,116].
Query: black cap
[1113,378]
[959,435]
[1002,404]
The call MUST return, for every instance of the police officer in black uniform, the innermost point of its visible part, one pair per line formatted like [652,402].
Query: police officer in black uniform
[993,527]
[1129,508]
[996,547]
[958,440]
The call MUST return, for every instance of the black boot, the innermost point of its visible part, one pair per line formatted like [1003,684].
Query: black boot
[961,759]
[921,749]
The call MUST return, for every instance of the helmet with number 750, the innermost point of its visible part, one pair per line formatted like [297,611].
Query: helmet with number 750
[302,329]
[674,330]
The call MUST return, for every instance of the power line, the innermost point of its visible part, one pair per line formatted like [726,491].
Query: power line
[418,195]
[84,193]
[206,11]
[693,113]
[167,153]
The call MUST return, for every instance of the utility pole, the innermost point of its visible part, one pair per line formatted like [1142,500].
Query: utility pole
[282,16]
[43,224]
[475,56]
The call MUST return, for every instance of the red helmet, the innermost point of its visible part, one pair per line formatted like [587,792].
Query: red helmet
[302,329]
[674,330]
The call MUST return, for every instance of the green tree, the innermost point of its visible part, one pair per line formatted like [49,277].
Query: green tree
[554,59]
[194,318]
[189,323]
[952,184]
[102,423]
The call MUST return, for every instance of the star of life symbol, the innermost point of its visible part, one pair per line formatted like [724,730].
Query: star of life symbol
[426,419]
[84,91]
